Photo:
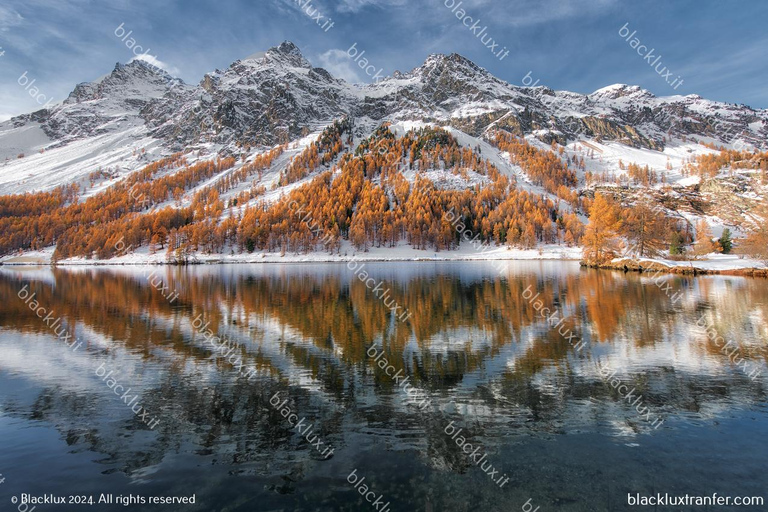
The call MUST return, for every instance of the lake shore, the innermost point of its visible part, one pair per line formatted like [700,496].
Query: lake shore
[347,253]
[715,264]
[719,265]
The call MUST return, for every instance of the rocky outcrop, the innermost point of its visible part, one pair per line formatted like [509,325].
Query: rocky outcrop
[274,96]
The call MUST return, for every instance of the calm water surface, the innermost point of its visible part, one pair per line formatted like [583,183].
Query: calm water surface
[540,409]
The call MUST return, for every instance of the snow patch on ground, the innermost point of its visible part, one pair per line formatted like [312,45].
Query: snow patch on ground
[402,252]
[714,261]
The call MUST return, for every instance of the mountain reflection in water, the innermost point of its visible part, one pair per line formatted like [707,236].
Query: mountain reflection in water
[481,352]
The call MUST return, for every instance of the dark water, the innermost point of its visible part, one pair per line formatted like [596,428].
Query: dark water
[537,406]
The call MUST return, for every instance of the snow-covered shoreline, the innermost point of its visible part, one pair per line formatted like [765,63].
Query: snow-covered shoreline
[714,264]
[400,253]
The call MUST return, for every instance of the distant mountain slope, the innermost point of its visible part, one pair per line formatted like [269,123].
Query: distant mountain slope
[277,96]
[270,125]
[99,126]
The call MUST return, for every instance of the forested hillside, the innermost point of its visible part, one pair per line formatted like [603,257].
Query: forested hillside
[274,156]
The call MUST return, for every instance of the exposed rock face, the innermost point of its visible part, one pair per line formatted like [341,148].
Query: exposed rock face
[273,96]
[108,104]
[263,99]
[607,129]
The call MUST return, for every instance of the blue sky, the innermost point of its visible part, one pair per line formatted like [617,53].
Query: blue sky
[717,48]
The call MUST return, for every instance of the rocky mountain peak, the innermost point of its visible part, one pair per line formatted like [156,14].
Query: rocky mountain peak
[289,53]
[136,79]
[439,64]
[276,95]
[617,91]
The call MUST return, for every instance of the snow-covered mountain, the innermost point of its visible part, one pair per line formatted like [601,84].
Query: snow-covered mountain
[98,126]
[260,100]
[138,113]
[271,123]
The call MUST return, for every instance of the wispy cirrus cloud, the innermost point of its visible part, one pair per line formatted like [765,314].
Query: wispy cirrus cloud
[535,12]
[568,44]
[9,18]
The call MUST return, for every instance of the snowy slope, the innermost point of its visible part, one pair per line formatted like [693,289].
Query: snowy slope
[137,114]
[276,95]
[98,127]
